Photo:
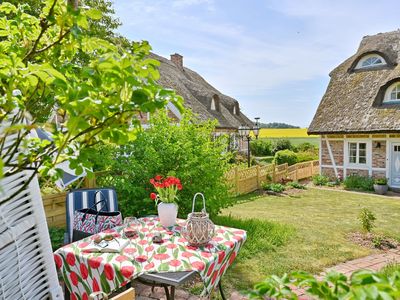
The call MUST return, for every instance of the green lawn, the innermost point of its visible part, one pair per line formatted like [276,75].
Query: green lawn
[302,232]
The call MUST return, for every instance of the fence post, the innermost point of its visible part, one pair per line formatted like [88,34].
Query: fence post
[273,172]
[258,177]
[236,180]
[312,168]
[297,172]
[90,183]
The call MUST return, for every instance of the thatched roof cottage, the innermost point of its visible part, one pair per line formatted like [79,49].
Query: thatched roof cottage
[200,96]
[359,115]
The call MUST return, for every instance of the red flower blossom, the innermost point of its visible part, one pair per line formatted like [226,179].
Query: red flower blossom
[187,254]
[171,246]
[130,250]
[179,186]
[206,254]
[58,261]
[83,244]
[85,296]
[84,271]
[153,196]
[127,271]
[149,266]
[192,247]
[198,265]
[121,258]
[161,256]
[143,242]
[73,297]
[109,272]
[94,262]
[149,248]
[158,177]
[74,278]
[221,256]
[95,285]
[70,259]
[238,238]
[229,244]
[141,258]
[175,263]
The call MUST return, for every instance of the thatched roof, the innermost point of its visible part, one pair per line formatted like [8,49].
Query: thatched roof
[198,94]
[353,100]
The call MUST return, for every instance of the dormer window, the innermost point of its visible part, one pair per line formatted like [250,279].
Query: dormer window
[236,110]
[370,61]
[215,103]
[392,94]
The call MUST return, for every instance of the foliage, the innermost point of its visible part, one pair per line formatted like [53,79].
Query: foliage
[296,185]
[381,181]
[273,187]
[240,159]
[261,147]
[306,156]
[281,144]
[56,237]
[361,285]
[262,235]
[367,219]
[277,125]
[306,147]
[320,180]
[358,182]
[285,156]
[42,74]
[187,151]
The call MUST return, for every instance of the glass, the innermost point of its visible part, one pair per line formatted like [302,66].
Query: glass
[130,227]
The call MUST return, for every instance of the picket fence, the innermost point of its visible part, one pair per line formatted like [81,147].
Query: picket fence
[242,181]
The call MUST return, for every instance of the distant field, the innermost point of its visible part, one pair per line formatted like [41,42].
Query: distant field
[295,135]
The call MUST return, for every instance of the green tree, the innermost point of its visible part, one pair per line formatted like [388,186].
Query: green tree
[186,150]
[42,76]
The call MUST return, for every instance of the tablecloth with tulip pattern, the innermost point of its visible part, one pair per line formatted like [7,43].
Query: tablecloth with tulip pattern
[84,272]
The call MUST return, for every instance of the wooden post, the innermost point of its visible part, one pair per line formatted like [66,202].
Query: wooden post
[312,167]
[90,183]
[297,172]
[236,180]
[273,172]
[258,177]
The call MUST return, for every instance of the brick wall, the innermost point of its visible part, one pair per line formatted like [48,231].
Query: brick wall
[379,154]
[357,172]
[337,152]
[331,173]
[379,174]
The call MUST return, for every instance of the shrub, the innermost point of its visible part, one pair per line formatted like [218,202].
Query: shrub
[381,181]
[306,147]
[281,144]
[367,219]
[187,151]
[362,285]
[285,156]
[56,237]
[306,156]
[358,182]
[320,180]
[261,148]
[273,187]
[296,185]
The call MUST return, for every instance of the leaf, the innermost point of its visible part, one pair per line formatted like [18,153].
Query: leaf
[94,14]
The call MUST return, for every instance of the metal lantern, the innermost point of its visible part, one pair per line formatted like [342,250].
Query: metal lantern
[199,229]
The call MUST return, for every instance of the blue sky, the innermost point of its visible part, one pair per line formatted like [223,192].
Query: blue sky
[273,56]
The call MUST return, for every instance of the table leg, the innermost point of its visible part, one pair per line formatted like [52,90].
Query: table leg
[221,291]
[172,292]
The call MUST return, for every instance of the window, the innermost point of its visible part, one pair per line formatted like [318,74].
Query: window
[236,110]
[215,103]
[358,153]
[370,60]
[392,93]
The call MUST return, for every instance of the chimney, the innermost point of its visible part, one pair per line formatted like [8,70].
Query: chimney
[177,59]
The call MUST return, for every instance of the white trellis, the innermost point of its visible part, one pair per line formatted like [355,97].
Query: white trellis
[27,269]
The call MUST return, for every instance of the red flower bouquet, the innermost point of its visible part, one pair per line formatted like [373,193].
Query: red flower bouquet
[166,188]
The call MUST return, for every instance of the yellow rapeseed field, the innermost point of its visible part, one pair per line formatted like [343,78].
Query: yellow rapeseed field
[285,133]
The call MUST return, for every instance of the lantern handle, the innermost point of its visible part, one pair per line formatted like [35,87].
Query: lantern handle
[204,202]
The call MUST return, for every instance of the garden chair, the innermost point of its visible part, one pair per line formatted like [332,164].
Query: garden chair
[27,269]
[85,198]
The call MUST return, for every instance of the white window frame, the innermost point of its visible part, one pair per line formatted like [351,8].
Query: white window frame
[368,56]
[387,98]
[357,164]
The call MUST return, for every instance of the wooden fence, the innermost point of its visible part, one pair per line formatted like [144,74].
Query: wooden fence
[245,181]
[242,181]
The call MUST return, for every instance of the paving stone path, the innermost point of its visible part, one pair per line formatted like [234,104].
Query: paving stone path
[373,262]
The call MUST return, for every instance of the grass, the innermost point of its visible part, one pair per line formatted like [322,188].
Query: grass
[314,225]
[297,140]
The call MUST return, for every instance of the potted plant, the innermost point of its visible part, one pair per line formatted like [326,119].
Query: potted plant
[165,198]
[381,186]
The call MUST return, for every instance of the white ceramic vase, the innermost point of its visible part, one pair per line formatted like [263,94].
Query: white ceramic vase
[167,213]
